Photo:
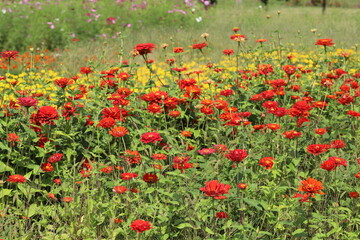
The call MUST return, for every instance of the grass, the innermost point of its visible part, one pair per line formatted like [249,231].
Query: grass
[286,25]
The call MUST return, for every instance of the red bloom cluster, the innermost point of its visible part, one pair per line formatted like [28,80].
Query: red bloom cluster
[151,137]
[332,163]
[267,162]
[144,48]
[311,186]
[199,45]
[17,178]
[140,225]
[324,42]
[45,115]
[9,54]
[215,189]
[316,149]
[237,155]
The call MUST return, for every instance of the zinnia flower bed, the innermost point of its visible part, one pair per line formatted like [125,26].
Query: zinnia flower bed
[263,144]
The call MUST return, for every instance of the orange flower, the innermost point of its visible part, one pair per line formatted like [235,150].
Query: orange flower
[325,42]
[311,186]
[185,134]
[118,131]
[67,199]
[16,178]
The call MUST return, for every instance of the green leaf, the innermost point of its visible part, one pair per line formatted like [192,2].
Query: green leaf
[5,192]
[184,225]
[149,190]
[32,210]
[5,168]
[4,147]
[208,230]
[299,233]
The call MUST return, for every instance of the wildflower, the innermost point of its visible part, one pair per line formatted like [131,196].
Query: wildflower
[17,178]
[118,131]
[337,144]
[9,54]
[151,137]
[119,189]
[47,167]
[206,151]
[311,186]
[158,156]
[57,181]
[215,189]
[185,133]
[85,70]
[228,52]
[320,131]
[174,114]
[292,134]
[242,186]
[132,157]
[27,101]
[144,48]
[357,175]
[45,115]
[108,169]
[273,126]
[67,199]
[199,46]
[13,138]
[316,149]
[237,155]
[324,42]
[178,49]
[222,215]
[303,197]
[261,40]
[140,225]
[107,122]
[118,220]
[150,178]
[51,196]
[128,176]
[354,194]
[267,162]
[56,157]
[63,82]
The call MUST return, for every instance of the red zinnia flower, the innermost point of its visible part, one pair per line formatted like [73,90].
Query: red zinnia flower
[13,137]
[144,48]
[85,70]
[55,158]
[107,122]
[17,178]
[206,151]
[320,131]
[237,155]
[273,126]
[292,134]
[27,101]
[337,144]
[63,82]
[118,131]
[311,186]
[215,189]
[222,215]
[174,113]
[242,186]
[158,156]
[354,194]
[119,189]
[47,167]
[51,195]
[46,115]
[178,50]
[228,52]
[57,181]
[128,176]
[267,162]
[150,178]
[316,149]
[67,199]
[140,225]
[199,45]
[108,169]
[324,42]
[151,137]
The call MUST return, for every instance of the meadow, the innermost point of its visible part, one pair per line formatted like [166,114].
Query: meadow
[169,120]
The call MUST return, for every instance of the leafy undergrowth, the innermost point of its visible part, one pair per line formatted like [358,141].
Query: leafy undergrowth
[260,145]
